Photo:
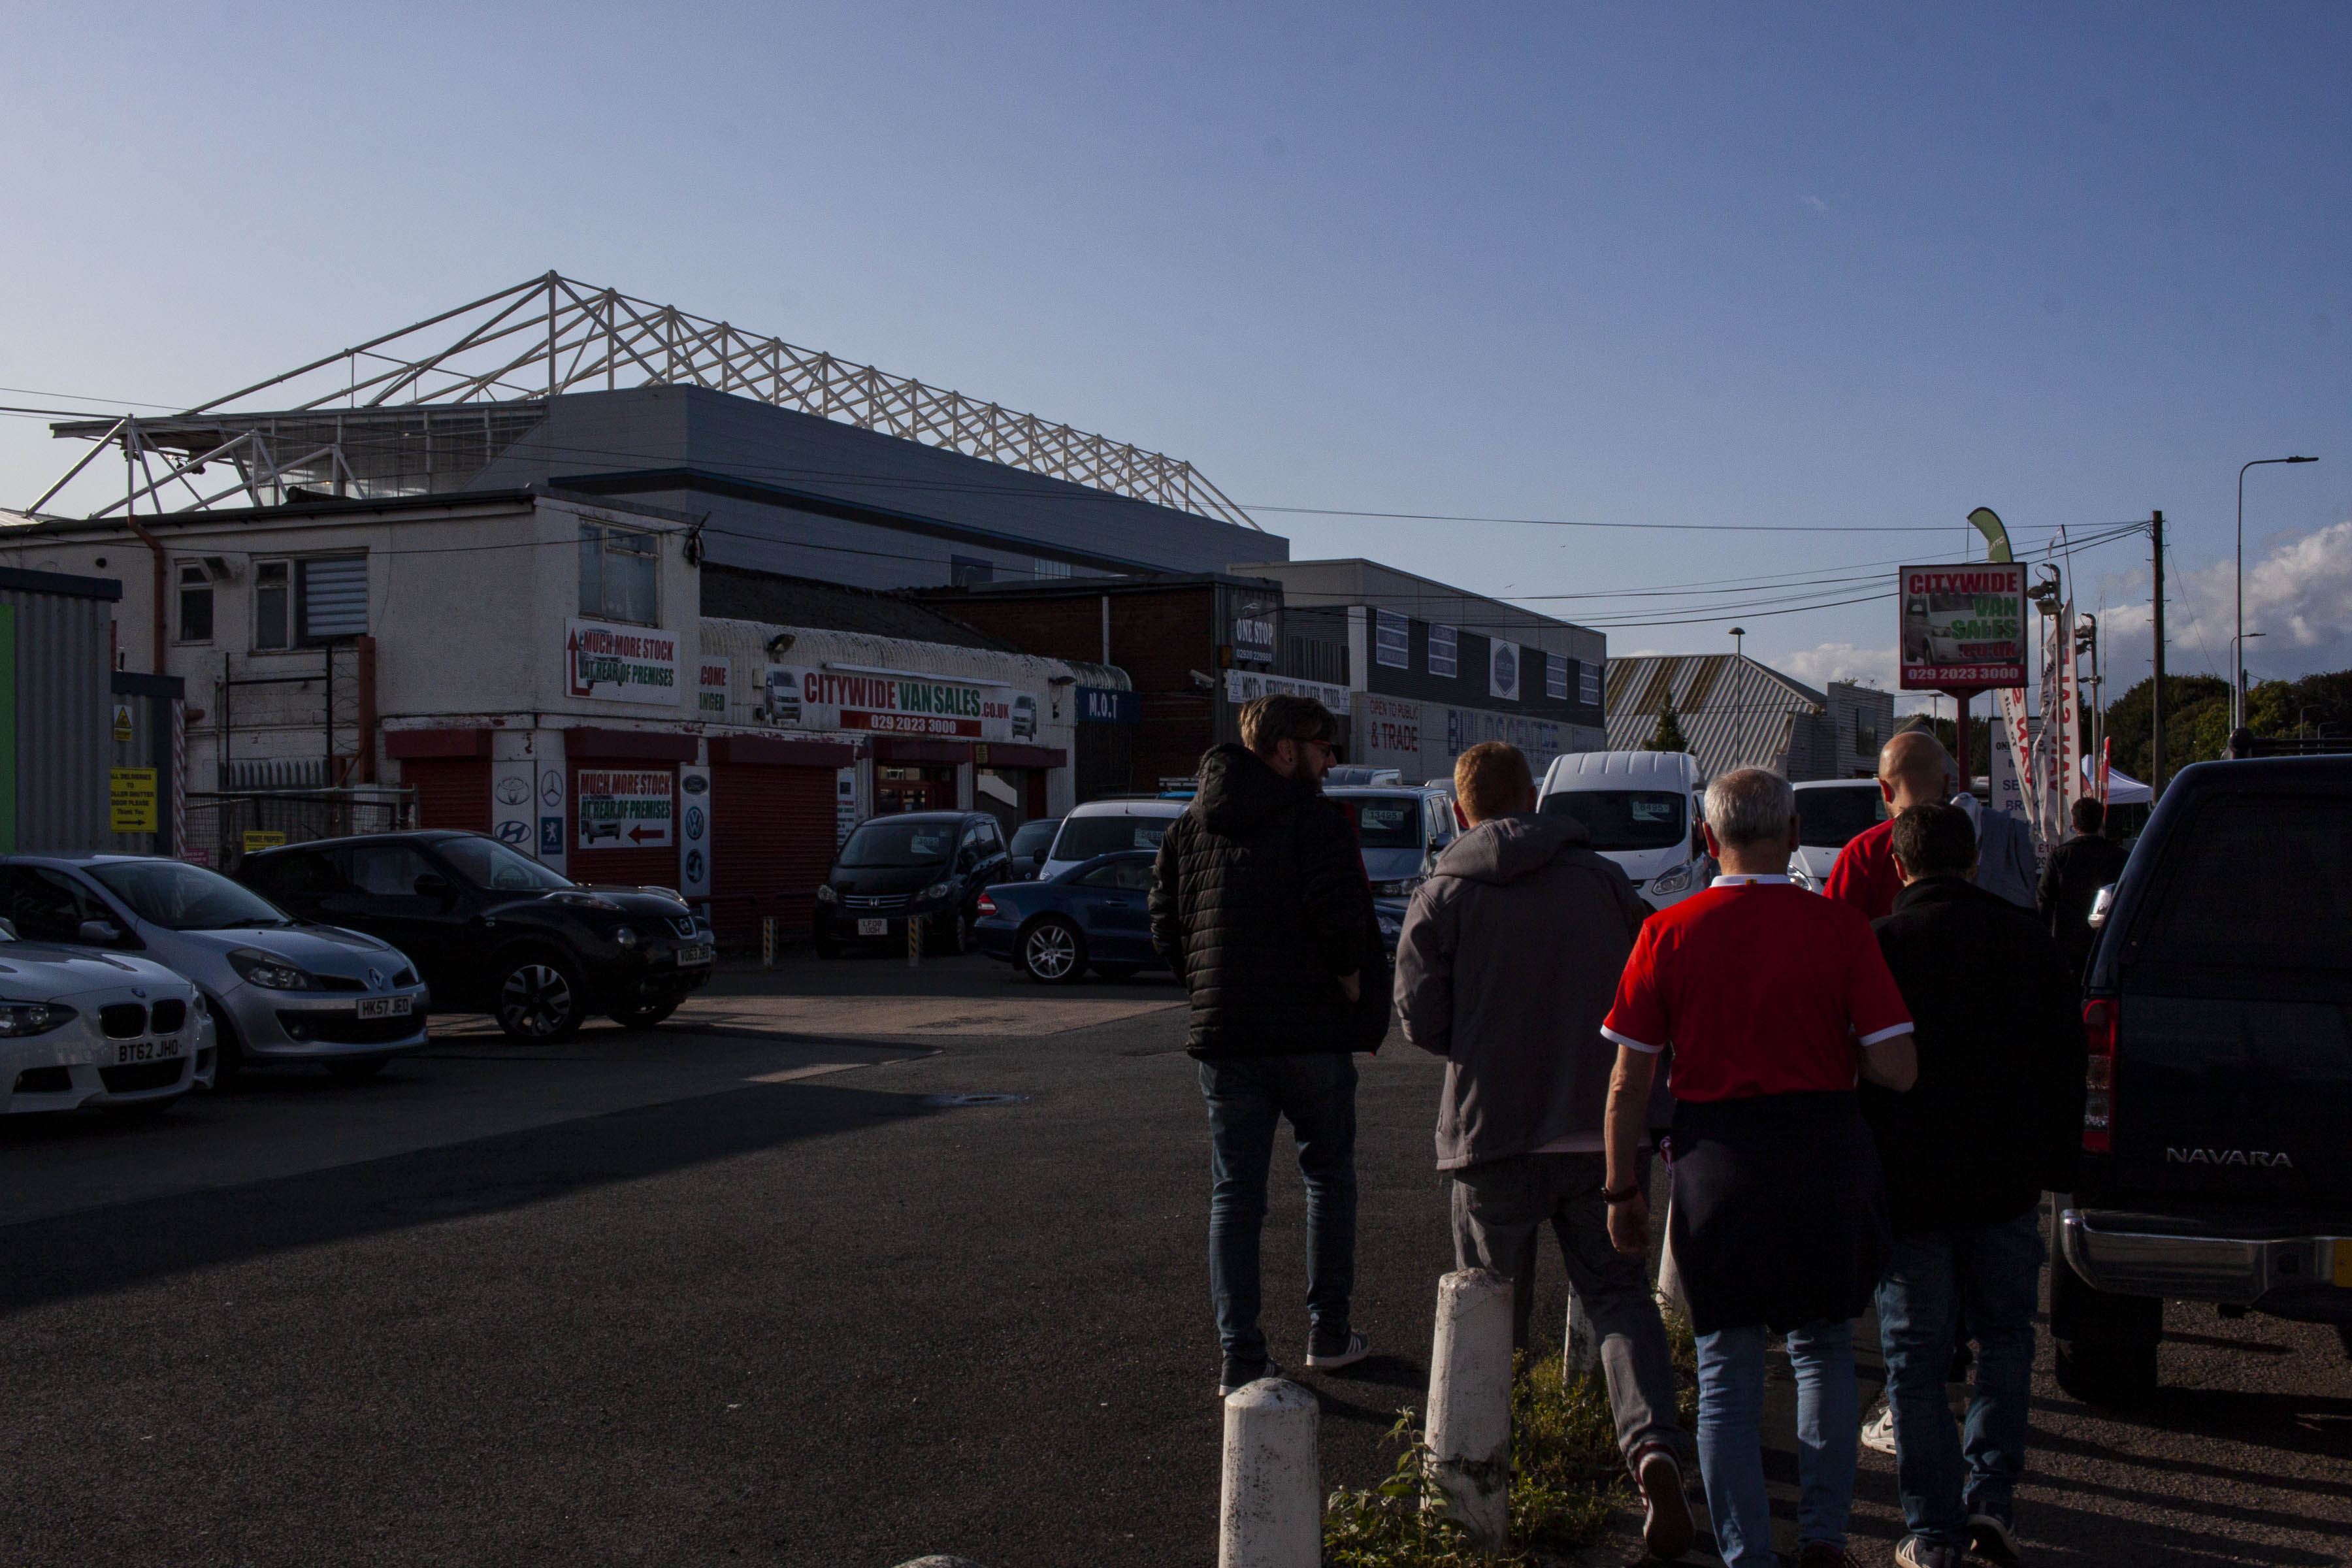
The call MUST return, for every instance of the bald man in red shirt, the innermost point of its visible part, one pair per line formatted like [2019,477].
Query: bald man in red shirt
[1914,769]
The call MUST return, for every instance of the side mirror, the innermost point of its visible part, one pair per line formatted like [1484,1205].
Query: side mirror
[432,885]
[98,933]
[2102,903]
[10,927]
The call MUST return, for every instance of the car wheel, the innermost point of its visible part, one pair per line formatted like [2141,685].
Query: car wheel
[954,938]
[648,1015]
[1053,952]
[828,948]
[539,998]
[1118,971]
[355,1068]
[2105,1375]
[2106,1343]
[228,1057]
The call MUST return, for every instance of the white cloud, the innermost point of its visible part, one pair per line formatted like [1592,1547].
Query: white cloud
[2299,595]
[1815,203]
[1825,662]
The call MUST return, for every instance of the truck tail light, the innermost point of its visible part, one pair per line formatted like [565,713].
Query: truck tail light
[2101,1017]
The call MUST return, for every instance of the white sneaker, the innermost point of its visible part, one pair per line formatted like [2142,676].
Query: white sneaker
[1878,1428]
[1326,1353]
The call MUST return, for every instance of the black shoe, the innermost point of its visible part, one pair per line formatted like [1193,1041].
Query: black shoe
[1992,1537]
[1666,1526]
[1239,1374]
[1328,1348]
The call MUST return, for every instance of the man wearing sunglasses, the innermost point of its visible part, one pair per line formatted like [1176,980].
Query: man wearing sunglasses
[1259,904]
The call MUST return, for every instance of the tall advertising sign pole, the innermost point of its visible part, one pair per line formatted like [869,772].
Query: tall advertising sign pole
[1962,629]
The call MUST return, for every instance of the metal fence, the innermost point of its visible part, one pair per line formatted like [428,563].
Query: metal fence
[223,828]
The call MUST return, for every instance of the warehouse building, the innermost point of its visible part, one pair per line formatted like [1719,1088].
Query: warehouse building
[1736,713]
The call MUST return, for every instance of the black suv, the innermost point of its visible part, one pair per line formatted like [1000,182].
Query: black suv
[929,865]
[496,931]
[2216,1164]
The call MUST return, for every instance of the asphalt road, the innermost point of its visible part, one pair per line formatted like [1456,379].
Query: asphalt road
[743,1287]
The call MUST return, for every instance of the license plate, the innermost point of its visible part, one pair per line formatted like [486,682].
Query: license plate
[874,928]
[145,1051]
[387,1006]
[697,953]
[2344,1263]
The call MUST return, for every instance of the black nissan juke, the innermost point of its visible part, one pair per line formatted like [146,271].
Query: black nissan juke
[494,930]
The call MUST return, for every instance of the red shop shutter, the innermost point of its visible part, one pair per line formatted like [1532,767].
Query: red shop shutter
[652,865]
[451,792]
[770,844]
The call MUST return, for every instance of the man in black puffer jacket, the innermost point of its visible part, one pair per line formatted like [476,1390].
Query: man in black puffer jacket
[1260,905]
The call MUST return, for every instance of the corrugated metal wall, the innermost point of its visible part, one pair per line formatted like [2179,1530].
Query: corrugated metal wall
[64,750]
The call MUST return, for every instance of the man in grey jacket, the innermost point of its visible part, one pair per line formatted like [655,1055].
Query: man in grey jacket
[1508,961]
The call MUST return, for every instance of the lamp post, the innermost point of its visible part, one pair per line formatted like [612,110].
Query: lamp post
[1739,698]
[2237,674]
[2238,671]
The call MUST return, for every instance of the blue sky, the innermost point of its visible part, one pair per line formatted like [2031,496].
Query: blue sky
[1859,267]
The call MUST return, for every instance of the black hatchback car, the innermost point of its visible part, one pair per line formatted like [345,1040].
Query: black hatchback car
[494,930]
[927,865]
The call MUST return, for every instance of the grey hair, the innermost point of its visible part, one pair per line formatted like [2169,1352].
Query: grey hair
[1751,805]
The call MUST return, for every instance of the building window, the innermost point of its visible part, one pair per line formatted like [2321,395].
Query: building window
[1045,568]
[331,604]
[273,603]
[968,569]
[617,578]
[1441,651]
[1555,676]
[1588,683]
[196,603]
[1866,733]
[1393,644]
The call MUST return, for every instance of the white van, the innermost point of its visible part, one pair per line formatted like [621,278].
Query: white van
[1829,813]
[1643,809]
[1101,827]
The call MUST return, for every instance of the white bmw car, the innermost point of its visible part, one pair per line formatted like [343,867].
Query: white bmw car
[105,1030]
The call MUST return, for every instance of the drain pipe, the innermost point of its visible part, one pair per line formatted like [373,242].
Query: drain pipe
[162,580]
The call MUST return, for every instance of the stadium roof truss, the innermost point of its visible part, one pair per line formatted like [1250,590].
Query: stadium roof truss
[423,409]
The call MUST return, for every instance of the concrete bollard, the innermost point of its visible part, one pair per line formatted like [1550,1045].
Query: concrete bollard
[1270,1512]
[1470,1404]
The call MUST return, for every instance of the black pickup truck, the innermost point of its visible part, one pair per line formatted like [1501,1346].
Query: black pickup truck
[2217,1137]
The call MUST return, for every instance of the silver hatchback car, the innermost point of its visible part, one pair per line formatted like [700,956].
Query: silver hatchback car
[279,990]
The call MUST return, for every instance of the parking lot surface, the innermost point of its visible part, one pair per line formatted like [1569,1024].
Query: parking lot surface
[843,1264]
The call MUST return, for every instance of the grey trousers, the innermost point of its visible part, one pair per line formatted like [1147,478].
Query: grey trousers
[1500,1206]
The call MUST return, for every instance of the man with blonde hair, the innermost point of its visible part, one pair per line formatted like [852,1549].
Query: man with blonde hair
[1776,1003]
[1508,958]
[1260,905]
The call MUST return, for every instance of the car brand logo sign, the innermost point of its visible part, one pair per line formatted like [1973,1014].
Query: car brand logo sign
[2229,1157]
[513,830]
[376,979]
[694,784]
[513,790]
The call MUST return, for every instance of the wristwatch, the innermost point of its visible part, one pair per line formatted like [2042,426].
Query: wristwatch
[1626,1195]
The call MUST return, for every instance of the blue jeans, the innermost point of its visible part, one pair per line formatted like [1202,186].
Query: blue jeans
[1248,1097]
[1993,1273]
[1731,1439]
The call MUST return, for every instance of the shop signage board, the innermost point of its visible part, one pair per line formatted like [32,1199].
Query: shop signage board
[1388,731]
[1107,705]
[711,686]
[1503,661]
[620,663]
[799,698]
[1963,627]
[131,800]
[1420,740]
[626,808]
[551,812]
[1254,629]
[514,803]
[693,832]
[1249,685]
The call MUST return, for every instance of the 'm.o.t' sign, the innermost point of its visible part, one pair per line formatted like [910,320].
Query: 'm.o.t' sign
[1963,627]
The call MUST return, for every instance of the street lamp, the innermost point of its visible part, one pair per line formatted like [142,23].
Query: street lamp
[2237,672]
[1738,697]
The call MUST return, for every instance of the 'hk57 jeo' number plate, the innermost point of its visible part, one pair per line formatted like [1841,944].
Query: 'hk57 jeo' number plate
[387,1006]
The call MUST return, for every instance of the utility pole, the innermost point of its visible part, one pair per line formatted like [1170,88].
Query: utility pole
[2155,692]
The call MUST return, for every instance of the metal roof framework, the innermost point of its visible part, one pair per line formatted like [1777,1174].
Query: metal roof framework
[355,422]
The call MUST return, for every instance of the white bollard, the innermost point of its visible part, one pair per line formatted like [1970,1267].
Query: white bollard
[1470,1403]
[1270,1512]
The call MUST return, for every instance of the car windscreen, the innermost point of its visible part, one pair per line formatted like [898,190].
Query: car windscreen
[1385,821]
[1032,838]
[1827,818]
[487,863]
[1083,837]
[885,843]
[181,897]
[1623,818]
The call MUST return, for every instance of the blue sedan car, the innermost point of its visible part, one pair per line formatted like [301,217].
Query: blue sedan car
[1096,914]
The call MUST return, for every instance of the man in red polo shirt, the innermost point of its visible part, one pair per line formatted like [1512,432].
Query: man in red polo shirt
[1914,769]
[1775,1002]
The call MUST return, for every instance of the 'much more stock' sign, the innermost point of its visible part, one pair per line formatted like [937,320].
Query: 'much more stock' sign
[620,663]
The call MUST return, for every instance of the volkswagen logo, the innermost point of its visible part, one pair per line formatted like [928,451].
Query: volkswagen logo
[376,979]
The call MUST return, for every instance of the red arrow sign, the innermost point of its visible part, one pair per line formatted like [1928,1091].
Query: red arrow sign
[640,833]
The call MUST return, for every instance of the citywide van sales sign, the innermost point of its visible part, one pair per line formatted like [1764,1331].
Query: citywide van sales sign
[896,704]
[1963,625]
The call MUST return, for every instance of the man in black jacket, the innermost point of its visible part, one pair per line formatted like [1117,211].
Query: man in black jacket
[1260,905]
[1994,1121]
[2078,870]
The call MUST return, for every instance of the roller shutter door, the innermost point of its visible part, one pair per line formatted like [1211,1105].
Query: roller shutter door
[451,792]
[771,842]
